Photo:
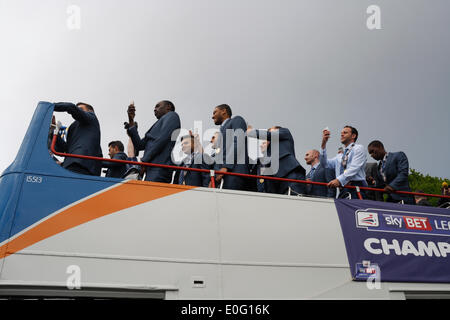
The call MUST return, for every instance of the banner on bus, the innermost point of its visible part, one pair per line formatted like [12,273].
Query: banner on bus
[395,242]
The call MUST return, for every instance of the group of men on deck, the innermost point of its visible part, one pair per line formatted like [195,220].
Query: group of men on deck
[230,155]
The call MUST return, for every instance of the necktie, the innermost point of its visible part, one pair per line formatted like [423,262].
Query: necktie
[382,167]
[311,173]
[309,176]
[344,161]
[183,174]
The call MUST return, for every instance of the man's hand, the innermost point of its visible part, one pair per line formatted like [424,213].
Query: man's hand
[142,171]
[131,114]
[219,177]
[370,180]
[197,144]
[389,189]
[325,137]
[334,184]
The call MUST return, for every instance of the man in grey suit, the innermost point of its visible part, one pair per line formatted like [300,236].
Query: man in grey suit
[157,142]
[195,159]
[393,169]
[288,166]
[318,174]
[232,155]
[83,138]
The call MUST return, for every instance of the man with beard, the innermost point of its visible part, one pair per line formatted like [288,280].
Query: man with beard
[232,153]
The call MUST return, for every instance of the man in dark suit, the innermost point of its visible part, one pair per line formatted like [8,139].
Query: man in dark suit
[285,164]
[318,174]
[116,169]
[393,169]
[83,138]
[157,142]
[232,153]
[195,159]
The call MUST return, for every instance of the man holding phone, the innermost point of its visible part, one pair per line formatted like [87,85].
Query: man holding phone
[349,166]
[157,142]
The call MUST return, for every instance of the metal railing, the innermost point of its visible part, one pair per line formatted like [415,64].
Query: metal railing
[213,173]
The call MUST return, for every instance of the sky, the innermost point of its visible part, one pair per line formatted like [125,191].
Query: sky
[300,64]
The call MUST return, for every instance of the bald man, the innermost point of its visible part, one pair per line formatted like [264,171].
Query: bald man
[318,173]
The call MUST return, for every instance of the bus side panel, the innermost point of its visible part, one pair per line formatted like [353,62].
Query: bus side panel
[10,185]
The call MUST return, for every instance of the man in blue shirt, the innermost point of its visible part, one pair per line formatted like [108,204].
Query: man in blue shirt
[349,166]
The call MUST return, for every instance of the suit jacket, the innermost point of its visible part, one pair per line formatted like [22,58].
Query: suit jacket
[396,172]
[157,145]
[287,160]
[229,146]
[258,185]
[115,169]
[322,174]
[193,178]
[232,145]
[83,138]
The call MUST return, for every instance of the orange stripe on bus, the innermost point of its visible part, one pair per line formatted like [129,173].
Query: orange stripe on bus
[124,196]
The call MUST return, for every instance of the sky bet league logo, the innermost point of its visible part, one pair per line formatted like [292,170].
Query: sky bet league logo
[403,222]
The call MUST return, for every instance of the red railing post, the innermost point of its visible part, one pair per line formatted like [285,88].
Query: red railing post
[358,192]
[213,178]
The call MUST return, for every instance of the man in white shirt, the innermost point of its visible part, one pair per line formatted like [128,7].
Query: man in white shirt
[349,166]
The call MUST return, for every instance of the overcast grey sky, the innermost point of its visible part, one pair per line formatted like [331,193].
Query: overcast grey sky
[301,64]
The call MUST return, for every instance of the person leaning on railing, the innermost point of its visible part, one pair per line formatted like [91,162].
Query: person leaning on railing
[392,172]
[83,138]
[288,165]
